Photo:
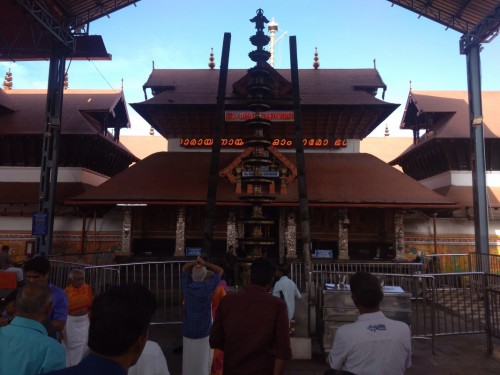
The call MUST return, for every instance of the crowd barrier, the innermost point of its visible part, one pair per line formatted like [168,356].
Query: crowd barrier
[442,304]
[162,278]
[451,303]
[297,272]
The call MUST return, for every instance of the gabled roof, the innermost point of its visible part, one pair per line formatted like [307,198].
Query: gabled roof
[455,103]
[85,139]
[83,111]
[340,180]
[445,115]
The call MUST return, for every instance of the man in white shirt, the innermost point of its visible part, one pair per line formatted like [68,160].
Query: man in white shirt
[373,344]
[286,289]
[151,362]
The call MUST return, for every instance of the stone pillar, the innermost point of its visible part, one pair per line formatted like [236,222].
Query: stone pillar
[343,225]
[399,236]
[232,231]
[180,233]
[290,236]
[127,231]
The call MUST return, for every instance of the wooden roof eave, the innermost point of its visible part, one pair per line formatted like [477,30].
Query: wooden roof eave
[132,203]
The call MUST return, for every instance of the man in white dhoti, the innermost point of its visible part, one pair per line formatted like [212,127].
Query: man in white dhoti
[76,330]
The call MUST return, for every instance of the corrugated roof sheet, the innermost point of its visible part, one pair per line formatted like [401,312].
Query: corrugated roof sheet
[460,15]
[23,37]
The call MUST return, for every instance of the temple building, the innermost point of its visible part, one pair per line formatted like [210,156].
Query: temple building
[440,160]
[90,153]
[357,202]
[360,207]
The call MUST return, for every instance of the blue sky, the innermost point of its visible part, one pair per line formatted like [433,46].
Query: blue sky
[348,34]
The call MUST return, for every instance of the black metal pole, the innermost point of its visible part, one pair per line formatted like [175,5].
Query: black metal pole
[50,149]
[478,163]
[301,163]
[216,146]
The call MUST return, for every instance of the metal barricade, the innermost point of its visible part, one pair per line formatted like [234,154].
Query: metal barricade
[442,304]
[488,263]
[162,278]
[446,263]
[405,268]
[493,302]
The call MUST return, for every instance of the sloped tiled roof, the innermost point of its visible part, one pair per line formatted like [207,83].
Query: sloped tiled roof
[317,86]
[30,106]
[463,194]
[27,192]
[332,180]
[458,103]
[335,103]
[86,139]
[144,145]
[385,148]
[457,124]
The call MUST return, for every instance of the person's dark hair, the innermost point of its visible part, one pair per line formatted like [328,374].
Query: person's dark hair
[32,299]
[283,268]
[38,264]
[366,288]
[119,317]
[262,272]
[11,297]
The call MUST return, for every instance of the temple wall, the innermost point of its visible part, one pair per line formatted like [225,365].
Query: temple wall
[105,236]
[453,236]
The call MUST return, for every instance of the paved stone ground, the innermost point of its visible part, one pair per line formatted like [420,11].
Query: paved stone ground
[455,355]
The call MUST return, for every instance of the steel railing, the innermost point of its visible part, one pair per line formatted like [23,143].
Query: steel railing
[442,303]
[162,278]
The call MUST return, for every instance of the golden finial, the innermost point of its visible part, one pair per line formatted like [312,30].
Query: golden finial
[211,63]
[316,58]
[7,84]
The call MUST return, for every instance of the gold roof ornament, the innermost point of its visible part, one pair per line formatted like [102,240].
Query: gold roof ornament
[7,84]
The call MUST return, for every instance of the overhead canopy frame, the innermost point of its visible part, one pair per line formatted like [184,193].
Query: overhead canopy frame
[52,30]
